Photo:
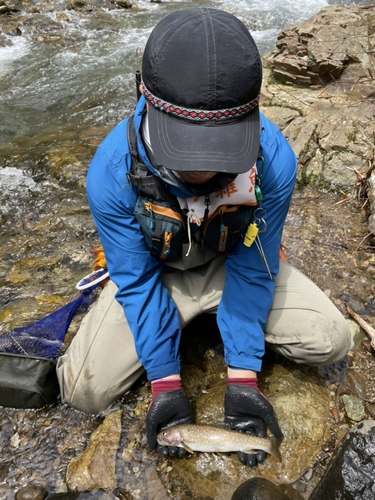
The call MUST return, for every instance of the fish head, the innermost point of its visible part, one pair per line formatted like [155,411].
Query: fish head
[169,437]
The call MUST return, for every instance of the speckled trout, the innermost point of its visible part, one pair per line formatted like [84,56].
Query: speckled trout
[208,438]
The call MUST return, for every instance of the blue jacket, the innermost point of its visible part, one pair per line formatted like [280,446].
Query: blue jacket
[149,309]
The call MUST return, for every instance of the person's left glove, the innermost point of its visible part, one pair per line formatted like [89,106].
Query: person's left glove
[169,406]
[247,409]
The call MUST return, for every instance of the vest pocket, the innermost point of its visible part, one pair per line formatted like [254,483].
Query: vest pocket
[224,228]
[162,227]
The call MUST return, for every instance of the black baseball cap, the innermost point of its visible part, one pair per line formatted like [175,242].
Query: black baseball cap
[201,75]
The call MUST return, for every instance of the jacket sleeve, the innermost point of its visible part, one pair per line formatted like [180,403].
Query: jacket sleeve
[150,311]
[248,290]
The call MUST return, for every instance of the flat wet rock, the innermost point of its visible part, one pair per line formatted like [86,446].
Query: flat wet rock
[95,468]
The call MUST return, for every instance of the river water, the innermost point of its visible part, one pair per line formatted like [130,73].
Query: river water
[65,82]
[42,85]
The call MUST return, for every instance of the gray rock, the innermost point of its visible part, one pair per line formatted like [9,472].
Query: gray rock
[351,473]
[329,82]
[354,407]
[307,54]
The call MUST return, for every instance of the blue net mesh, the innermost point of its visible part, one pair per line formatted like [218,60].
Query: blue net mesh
[45,337]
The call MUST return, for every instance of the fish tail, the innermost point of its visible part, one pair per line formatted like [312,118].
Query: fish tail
[275,448]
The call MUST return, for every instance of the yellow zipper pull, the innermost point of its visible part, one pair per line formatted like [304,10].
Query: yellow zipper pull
[148,207]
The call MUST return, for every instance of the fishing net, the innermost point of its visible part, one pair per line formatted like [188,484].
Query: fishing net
[45,337]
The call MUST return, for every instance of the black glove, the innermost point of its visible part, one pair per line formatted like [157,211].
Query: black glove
[166,410]
[247,409]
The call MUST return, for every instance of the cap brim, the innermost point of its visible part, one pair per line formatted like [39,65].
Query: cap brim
[231,147]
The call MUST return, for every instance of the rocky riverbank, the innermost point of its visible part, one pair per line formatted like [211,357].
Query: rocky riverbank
[319,89]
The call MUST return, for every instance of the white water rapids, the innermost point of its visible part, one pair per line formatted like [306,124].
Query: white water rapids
[42,85]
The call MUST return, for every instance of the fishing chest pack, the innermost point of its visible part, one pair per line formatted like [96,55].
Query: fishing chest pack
[163,222]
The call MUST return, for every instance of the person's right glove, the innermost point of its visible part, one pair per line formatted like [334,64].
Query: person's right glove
[169,406]
[247,409]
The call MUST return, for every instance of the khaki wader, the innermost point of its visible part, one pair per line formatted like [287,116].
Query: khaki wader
[101,364]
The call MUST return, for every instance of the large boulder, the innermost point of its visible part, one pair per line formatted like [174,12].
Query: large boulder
[319,50]
[351,473]
[319,88]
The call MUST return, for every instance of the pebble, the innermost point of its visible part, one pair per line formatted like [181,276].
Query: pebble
[31,492]
[354,408]
[4,9]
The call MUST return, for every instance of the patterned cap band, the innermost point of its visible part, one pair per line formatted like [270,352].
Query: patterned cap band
[198,114]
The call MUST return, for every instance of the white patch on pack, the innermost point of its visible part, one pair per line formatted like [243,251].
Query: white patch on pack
[241,191]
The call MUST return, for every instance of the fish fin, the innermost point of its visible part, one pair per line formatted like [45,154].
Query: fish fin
[187,448]
[275,445]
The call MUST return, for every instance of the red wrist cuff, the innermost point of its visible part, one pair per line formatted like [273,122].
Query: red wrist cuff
[249,382]
[165,385]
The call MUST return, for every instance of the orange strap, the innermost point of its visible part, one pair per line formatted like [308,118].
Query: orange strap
[282,253]
[99,263]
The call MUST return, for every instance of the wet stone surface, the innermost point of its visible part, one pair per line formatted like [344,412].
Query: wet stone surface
[325,239]
[38,446]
